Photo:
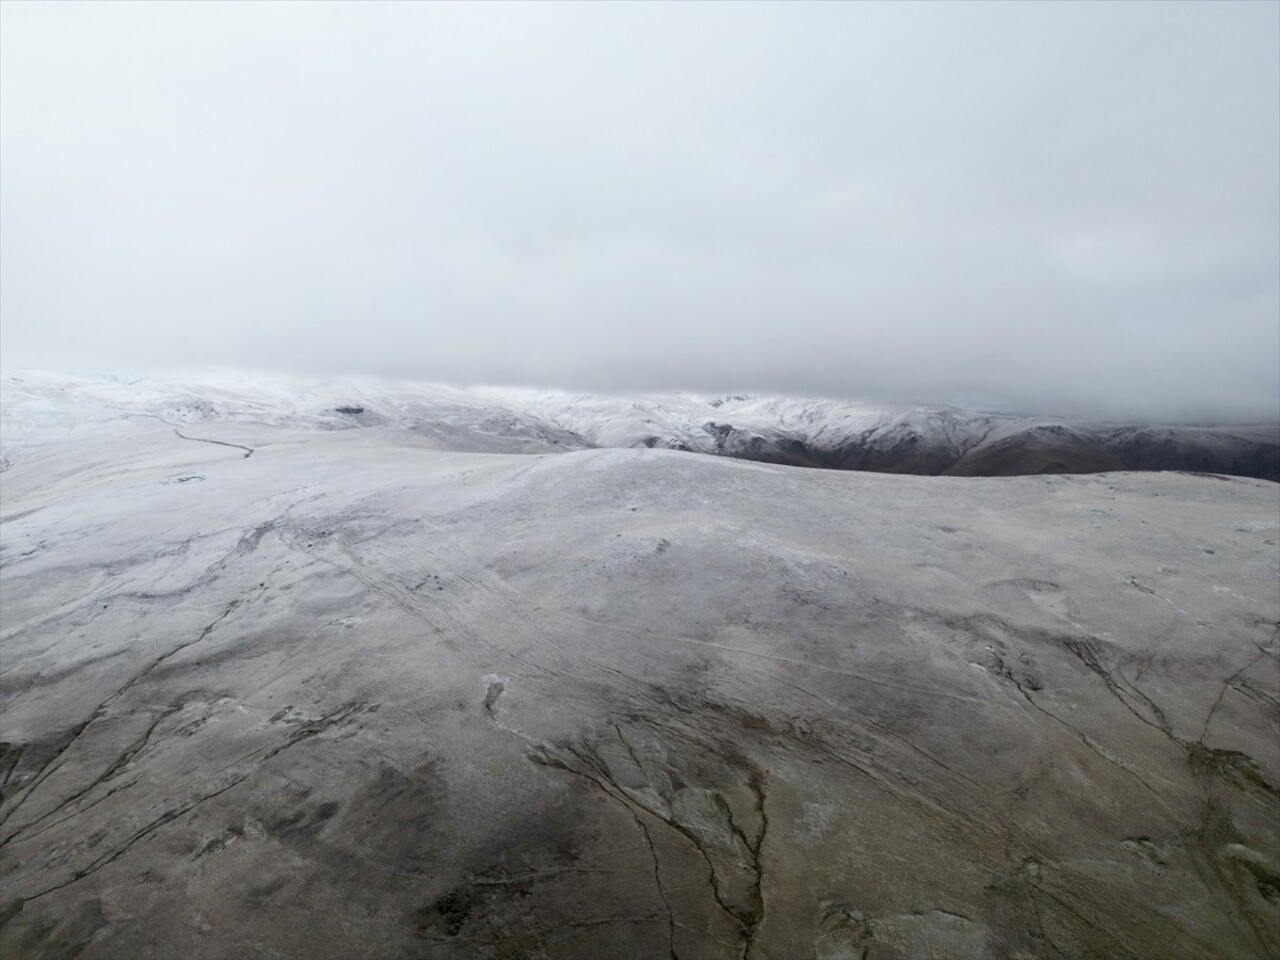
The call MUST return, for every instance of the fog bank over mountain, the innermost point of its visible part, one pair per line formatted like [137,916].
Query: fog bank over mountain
[1048,209]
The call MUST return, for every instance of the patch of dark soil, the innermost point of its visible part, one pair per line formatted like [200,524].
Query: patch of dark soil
[447,915]
[304,823]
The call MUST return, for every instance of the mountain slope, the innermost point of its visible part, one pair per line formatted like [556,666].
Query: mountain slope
[929,441]
[840,435]
[314,692]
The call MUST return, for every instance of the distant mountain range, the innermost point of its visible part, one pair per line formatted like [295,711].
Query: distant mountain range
[918,440]
[833,434]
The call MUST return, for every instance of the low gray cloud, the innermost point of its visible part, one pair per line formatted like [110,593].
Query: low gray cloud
[1045,207]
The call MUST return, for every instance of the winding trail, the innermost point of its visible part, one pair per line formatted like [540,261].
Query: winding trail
[248,451]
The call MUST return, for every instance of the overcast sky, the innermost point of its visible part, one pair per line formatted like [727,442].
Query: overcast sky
[1046,207]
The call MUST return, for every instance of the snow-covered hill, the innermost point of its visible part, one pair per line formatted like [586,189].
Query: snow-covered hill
[895,439]
[41,408]
[278,680]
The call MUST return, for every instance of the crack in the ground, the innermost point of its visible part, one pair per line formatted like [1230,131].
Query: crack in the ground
[54,762]
[744,849]
[1088,652]
[1081,735]
[756,783]
[120,762]
[1243,687]
[605,783]
[295,737]
[657,879]
[1207,765]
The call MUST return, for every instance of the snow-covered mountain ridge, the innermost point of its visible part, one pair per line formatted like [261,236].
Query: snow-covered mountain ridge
[848,435]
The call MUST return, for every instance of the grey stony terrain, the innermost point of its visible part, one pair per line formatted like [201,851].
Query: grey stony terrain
[283,692]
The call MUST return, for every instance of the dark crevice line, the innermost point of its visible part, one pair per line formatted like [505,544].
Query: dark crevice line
[150,828]
[125,757]
[657,879]
[1230,683]
[1083,737]
[169,816]
[618,794]
[54,762]
[756,782]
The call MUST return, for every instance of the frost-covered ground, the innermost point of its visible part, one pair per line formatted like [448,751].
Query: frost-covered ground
[837,434]
[447,682]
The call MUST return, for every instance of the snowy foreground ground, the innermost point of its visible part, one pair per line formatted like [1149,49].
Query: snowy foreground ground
[272,689]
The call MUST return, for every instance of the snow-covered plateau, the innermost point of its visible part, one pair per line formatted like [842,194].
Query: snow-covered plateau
[365,669]
[834,434]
